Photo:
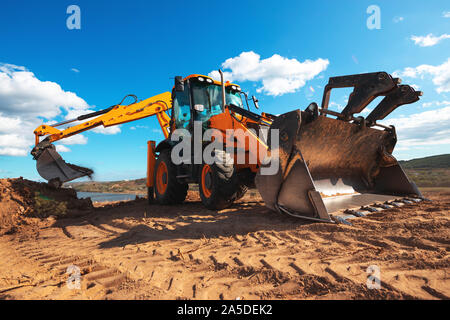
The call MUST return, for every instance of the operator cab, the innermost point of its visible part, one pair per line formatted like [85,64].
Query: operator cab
[198,98]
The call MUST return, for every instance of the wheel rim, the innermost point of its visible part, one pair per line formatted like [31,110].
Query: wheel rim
[161,178]
[206,181]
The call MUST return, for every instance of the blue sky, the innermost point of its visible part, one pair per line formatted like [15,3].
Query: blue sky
[139,46]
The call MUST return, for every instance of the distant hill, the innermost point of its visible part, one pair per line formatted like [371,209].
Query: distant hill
[429,171]
[138,186]
[440,161]
[425,172]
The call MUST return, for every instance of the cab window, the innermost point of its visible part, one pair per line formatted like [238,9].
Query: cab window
[209,96]
[182,109]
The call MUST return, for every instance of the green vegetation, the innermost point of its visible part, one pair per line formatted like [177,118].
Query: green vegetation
[45,206]
[430,177]
[430,171]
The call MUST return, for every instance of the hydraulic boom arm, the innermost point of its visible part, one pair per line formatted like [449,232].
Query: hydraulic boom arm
[115,115]
[53,168]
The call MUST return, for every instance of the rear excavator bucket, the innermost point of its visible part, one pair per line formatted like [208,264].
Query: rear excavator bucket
[333,168]
[53,168]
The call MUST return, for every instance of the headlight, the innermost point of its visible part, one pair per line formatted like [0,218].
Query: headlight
[209,80]
[201,79]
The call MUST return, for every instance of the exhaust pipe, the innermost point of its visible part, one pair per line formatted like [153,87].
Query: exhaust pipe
[222,84]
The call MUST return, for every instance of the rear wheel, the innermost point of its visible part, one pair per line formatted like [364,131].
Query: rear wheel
[167,188]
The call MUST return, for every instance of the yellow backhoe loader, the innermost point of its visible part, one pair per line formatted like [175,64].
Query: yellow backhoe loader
[329,165]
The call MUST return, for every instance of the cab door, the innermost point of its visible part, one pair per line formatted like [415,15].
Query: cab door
[182,108]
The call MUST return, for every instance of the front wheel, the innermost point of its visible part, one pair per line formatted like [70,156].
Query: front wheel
[213,188]
[217,182]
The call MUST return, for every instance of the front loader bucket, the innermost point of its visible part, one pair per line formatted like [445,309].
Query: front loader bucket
[54,169]
[329,167]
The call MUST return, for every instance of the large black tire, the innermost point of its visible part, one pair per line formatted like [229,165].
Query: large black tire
[166,186]
[217,186]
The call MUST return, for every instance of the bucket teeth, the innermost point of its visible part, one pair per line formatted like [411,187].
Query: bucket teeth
[376,207]
[395,204]
[382,206]
[416,200]
[355,213]
[370,209]
[340,220]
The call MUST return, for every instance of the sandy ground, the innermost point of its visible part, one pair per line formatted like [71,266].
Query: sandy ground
[136,251]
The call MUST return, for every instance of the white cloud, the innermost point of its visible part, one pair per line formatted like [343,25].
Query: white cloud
[26,102]
[75,70]
[108,130]
[398,19]
[446,14]
[6,67]
[76,139]
[279,75]
[7,139]
[440,74]
[436,104]
[62,148]
[423,129]
[13,144]
[21,93]
[227,76]
[138,127]
[335,106]
[76,112]
[429,40]
[12,151]
[9,124]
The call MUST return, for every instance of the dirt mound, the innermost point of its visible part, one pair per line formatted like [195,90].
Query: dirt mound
[21,199]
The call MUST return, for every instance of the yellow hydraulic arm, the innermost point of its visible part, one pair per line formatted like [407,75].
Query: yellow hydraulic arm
[56,171]
[115,115]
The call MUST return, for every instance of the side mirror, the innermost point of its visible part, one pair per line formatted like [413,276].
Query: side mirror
[255,102]
[179,84]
